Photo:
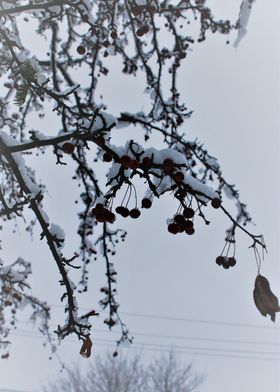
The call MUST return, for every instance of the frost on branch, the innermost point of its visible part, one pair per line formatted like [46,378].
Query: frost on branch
[84,37]
[15,296]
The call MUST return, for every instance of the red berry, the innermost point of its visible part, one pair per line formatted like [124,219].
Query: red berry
[81,50]
[68,148]
[146,203]
[136,10]
[133,164]
[151,9]
[146,163]
[188,213]
[114,34]
[107,157]
[135,213]
[216,203]
[178,177]
[139,32]
[145,29]
[168,165]
[173,228]
[125,161]
[106,44]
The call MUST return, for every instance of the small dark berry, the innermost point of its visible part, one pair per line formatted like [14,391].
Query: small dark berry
[100,140]
[106,44]
[81,50]
[168,165]
[179,219]
[216,203]
[226,266]
[146,163]
[181,228]
[188,224]
[119,210]
[190,231]
[188,213]
[68,148]
[146,203]
[94,211]
[111,217]
[136,11]
[133,164]
[145,29]
[114,34]
[107,157]
[115,354]
[231,261]
[140,32]
[135,213]
[101,216]
[125,212]
[151,9]
[178,177]
[173,228]
[125,161]
[220,260]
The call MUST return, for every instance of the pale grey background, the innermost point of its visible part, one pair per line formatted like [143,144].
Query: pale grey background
[235,96]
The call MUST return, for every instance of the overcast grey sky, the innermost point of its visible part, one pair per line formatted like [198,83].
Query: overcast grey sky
[235,98]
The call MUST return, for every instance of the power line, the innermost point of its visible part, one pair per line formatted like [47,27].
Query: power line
[180,349]
[224,323]
[182,319]
[192,338]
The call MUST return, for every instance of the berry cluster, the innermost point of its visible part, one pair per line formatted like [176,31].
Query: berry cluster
[226,262]
[125,212]
[103,214]
[183,220]
[182,223]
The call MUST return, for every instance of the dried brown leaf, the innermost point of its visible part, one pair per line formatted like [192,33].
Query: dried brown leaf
[265,300]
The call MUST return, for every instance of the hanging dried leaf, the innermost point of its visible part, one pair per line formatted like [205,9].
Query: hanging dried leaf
[86,348]
[265,300]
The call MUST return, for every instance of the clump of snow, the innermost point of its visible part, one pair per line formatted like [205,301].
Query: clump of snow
[244,14]
[103,121]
